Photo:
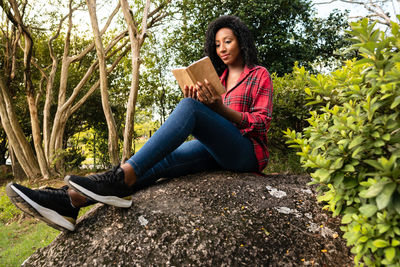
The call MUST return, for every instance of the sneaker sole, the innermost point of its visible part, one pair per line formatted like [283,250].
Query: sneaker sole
[27,205]
[109,200]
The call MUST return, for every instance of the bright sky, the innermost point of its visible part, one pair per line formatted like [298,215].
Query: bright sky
[326,9]
[355,9]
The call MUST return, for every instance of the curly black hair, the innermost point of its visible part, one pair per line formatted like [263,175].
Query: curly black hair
[242,33]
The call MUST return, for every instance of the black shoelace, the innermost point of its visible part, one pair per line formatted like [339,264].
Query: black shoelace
[108,176]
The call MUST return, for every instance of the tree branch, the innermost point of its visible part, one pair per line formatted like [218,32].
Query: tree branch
[91,46]
[97,84]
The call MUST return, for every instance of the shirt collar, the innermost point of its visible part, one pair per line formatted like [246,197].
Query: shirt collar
[247,70]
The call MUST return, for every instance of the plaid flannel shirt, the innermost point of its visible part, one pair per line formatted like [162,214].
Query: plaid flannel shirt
[252,96]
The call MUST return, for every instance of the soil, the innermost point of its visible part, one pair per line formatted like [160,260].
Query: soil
[208,219]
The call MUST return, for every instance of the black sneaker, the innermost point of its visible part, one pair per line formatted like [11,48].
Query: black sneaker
[108,188]
[51,205]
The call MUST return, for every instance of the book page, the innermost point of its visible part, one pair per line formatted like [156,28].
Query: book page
[182,77]
[204,69]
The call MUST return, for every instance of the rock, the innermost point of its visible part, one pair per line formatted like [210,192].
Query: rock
[211,219]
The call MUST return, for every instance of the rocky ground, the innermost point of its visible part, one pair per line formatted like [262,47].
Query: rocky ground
[207,219]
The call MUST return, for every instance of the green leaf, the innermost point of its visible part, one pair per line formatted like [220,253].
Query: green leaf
[383,228]
[358,150]
[322,174]
[395,242]
[396,101]
[383,199]
[386,137]
[374,164]
[368,210]
[380,243]
[347,218]
[396,203]
[337,164]
[350,182]
[356,141]
[390,253]
[349,168]
[379,143]
[373,191]
[363,239]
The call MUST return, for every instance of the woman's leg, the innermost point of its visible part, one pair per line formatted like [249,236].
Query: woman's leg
[190,157]
[219,137]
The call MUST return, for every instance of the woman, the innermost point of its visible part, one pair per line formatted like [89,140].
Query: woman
[230,132]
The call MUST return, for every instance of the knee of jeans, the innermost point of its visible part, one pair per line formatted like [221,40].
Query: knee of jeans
[188,103]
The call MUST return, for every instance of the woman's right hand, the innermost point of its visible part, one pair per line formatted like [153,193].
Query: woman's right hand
[190,91]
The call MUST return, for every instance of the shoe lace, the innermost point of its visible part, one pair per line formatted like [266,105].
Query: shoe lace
[108,176]
[52,190]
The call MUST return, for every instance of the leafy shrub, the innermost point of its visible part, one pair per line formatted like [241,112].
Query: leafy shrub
[352,144]
[289,102]
[72,157]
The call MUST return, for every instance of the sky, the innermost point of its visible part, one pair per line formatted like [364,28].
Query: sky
[355,9]
[326,9]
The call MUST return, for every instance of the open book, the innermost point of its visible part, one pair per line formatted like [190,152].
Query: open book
[197,72]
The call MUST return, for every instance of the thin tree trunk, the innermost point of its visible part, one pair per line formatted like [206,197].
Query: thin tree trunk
[112,131]
[15,135]
[137,40]
[16,19]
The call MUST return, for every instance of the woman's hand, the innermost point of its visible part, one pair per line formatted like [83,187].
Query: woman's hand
[190,92]
[207,95]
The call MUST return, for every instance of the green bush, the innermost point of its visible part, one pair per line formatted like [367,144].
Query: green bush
[289,106]
[352,144]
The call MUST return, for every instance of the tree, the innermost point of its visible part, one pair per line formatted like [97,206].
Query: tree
[137,37]
[53,80]
[376,9]
[158,94]
[112,131]
[19,36]
[284,31]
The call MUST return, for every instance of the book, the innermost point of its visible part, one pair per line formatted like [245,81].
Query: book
[197,72]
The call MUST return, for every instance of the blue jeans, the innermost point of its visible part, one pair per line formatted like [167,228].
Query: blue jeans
[219,145]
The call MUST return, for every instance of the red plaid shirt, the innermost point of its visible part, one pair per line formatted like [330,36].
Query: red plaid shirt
[252,96]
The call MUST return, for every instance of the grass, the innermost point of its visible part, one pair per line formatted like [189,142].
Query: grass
[19,240]
[21,235]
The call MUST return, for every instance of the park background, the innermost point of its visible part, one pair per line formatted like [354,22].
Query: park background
[84,84]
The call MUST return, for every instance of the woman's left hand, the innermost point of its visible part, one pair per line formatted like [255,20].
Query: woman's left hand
[207,95]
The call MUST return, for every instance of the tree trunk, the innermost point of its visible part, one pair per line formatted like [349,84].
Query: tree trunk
[112,131]
[137,40]
[15,135]
[37,139]
[17,170]
[130,111]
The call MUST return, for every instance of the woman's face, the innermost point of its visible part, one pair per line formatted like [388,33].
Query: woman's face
[227,47]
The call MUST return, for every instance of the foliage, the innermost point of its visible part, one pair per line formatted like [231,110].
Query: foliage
[72,157]
[289,102]
[157,94]
[284,31]
[353,144]
[283,161]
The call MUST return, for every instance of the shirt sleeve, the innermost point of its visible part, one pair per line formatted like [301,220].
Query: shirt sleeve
[257,120]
